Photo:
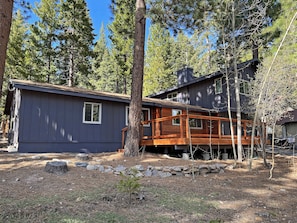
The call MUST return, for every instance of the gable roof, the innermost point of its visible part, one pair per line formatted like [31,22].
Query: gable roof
[91,94]
[212,76]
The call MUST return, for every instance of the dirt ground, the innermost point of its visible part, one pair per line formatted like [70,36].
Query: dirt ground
[29,194]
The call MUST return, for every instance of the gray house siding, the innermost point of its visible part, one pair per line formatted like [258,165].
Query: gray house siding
[201,91]
[54,123]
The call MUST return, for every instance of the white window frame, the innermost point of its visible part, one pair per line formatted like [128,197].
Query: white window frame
[142,109]
[175,112]
[173,96]
[92,110]
[199,127]
[218,91]
[246,87]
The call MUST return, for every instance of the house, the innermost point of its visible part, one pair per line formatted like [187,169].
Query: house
[52,118]
[289,127]
[210,91]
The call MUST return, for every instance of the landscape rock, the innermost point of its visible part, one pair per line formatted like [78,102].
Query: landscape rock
[138,167]
[82,156]
[92,167]
[81,164]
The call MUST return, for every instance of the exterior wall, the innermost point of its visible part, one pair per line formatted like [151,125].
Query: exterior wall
[202,93]
[54,123]
[290,130]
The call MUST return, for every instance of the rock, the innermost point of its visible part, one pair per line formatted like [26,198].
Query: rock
[165,174]
[148,173]
[57,167]
[203,171]
[108,169]
[92,167]
[139,174]
[138,167]
[81,164]
[177,168]
[120,168]
[221,165]
[155,172]
[100,168]
[82,156]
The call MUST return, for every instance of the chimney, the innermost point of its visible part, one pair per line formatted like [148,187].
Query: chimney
[184,75]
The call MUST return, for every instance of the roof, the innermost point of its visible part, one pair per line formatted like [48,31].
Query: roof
[214,75]
[91,94]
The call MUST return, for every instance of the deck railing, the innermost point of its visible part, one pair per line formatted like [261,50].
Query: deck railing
[213,127]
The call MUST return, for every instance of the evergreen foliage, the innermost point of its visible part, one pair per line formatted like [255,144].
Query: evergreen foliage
[16,62]
[158,72]
[122,38]
[43,41]
[76,43]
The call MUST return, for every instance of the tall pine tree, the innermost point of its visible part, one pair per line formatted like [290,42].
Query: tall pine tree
[15,66]
[122,37]
[44,40]
[158,73]
[76,43]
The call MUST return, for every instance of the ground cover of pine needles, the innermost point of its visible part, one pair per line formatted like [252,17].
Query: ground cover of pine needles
[29,194]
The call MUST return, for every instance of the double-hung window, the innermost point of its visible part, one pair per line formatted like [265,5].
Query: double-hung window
[195,123]
[92,113]
[172,96]
[244,87]
[218,86]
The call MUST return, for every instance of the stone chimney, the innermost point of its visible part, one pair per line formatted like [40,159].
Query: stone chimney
[184,75]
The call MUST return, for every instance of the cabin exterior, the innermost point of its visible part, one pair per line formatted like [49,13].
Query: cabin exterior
[210,91]
[52,118]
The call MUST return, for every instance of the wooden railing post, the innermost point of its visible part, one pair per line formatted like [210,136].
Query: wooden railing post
[220,129]
[187,127]
[181,126]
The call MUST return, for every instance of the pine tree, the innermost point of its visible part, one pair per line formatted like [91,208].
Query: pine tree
[15,66]
[44,40]
[76,43]
[158,73]
[122,37]
[104,66]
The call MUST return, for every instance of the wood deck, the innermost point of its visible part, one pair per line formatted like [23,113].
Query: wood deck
[163,133]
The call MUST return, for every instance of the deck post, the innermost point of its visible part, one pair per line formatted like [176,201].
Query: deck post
[157,124]
[181,126]
[220,128]
[187,127]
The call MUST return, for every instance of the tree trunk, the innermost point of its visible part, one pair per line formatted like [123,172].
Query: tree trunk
[6,7]
[134,126]
[236,85]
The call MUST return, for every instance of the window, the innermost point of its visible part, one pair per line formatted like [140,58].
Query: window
[145,115]
[218,86]
[195,123]
[175,112]
[244,87]
[172,96]
[92,113]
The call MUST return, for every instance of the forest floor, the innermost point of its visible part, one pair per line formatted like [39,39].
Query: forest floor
[29,194]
